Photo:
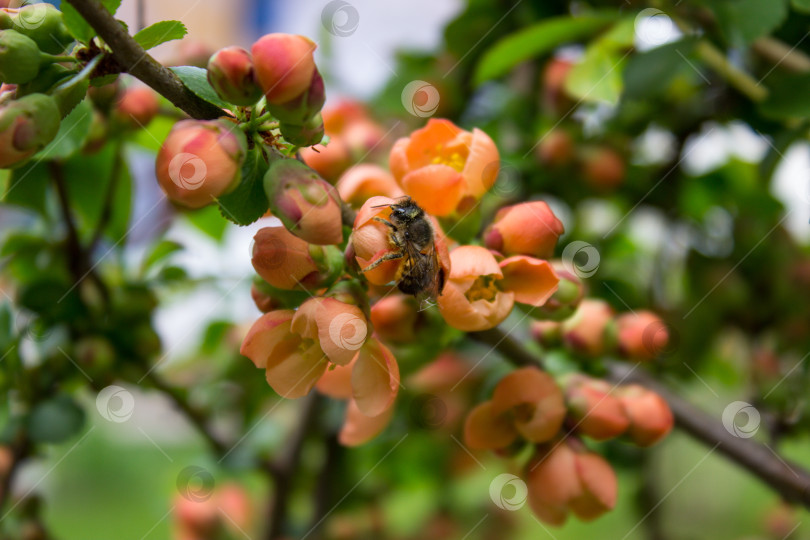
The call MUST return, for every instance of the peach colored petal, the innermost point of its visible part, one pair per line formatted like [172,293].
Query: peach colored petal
[484,430]
[436,188]
[472,262]
[281,258]
[536,401]
[552,483]
[359,428]
[264,334]
[599,484]
[329,161]
[366,180]
[428,142]
[375,378]
[481,169]
[373,207]
[398,159]
[474,316]
[342,330]
[291,372]
[337,381]
[381,275]
[532,280]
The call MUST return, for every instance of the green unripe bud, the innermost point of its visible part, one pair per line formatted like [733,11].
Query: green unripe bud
[301,109]
[43,23]
[49,76]
[27,125]
[309,134]
[19,58]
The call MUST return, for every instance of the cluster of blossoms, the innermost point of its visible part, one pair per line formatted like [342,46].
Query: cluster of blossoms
[332,316]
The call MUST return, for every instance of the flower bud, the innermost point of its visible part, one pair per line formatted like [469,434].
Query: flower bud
[27,125]
[300,110]
[584,332]
[546,333]
[395,317]
[329,160]
[284,65]
[564,477]
[19,58]
[287,262]
[42,23]
[603,168]
[264,302]
[137,106]
[529,228]
[232,75]
[556,148]
[650,416]
[200,161]
[598,412]
[309,134]
[307,205]
[566,299]
[641,335]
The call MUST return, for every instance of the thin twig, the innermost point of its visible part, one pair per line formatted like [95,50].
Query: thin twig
[136,61]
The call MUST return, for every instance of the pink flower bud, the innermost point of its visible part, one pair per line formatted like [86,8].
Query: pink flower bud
[300,110]
[200,161]
[394,318]
[27,125]
[137,106]
[529,228]
[598,412]
[265,302]
[307,205]
[641,335]
[556,148]
[650,416]
[231,74]
[584,332]
[287,262]
[547,333]
[603,168]
[362,182]
[284,65]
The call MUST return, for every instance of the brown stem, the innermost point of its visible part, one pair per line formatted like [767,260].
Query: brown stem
[791,481]
[136,61]
[282,469]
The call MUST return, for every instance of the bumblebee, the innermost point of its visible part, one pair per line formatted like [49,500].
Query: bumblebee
[413,239]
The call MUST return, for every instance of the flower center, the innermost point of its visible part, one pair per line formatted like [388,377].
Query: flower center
[451,156]
[483,288]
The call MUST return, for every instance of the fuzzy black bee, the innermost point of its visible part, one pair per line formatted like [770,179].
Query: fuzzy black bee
[413,239]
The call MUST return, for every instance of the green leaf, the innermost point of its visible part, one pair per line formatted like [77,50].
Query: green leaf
[196,79]
[209,220]
[536,40]
[789,97]
[73,132]
[598,77]
[649,73]
[802,6]
[28,185]
[55,420]
[247,202]
[160,32]
[163,249]
[77,26]
[743,21]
